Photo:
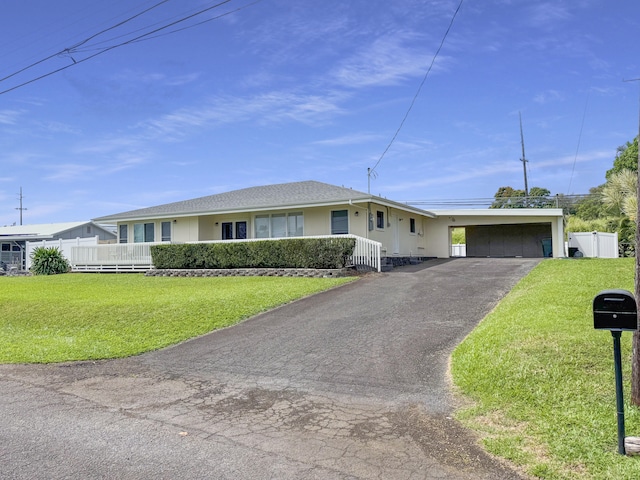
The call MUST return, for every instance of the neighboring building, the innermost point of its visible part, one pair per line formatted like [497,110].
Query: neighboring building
[13,238]
[312,208]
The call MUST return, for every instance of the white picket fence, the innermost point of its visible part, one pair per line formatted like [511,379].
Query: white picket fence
[128,257]
[64,246]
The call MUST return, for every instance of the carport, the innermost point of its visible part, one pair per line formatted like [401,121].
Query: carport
[525,232]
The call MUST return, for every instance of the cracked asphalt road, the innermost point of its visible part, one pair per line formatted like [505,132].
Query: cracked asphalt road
[348,384]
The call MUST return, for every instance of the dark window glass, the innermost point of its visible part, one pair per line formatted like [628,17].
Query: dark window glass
[148,232]
[379,219]
[241,230]
[124,233]
[412,225]
[166,231]
[227,231]
[339,222]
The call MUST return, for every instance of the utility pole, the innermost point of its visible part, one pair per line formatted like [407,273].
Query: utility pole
[21,208]
[524,165]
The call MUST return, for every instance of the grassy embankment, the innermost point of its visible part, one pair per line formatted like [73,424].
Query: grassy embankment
[87,316]
[541,379]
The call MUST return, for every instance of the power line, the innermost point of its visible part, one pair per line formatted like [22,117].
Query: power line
[145,36]
[575,159]
[415,97]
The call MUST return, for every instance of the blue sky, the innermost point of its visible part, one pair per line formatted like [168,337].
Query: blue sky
[284,90]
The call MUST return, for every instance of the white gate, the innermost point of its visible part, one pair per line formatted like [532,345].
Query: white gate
[594,244]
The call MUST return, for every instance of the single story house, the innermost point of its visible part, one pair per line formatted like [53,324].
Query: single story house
[311,208]
[13,238]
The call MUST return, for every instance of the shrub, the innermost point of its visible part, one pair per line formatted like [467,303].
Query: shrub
[48,261]
[286,253]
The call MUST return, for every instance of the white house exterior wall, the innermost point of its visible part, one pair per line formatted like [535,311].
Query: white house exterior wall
[317,221]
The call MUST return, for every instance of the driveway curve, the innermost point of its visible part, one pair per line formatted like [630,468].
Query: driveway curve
[347,384]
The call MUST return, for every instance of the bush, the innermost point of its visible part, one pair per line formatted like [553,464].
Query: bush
[321,253]
[48,261]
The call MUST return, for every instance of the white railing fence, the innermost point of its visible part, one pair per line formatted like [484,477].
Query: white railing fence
[124,257]
[64,246]
[459,250]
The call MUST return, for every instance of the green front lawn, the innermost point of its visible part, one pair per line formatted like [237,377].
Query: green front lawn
[90,316]
[540,378]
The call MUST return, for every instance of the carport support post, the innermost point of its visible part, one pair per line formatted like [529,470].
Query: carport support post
[617,359]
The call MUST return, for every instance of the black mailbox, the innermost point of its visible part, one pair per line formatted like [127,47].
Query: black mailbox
[615,310]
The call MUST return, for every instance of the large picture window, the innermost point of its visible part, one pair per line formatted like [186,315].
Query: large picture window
[143,232]
[339,222]
[279,225]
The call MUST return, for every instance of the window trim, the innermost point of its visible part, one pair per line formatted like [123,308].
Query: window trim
[379,219]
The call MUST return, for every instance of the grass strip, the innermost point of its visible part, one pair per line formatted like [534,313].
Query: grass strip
[66,317]
[541,380]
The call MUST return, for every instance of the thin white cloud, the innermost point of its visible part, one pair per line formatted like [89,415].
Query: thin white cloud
[547,14]
[548,96]
[389,60]
[271,107]
[353,139]
[10,117]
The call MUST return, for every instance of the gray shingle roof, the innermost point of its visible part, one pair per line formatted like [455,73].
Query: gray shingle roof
[253,198]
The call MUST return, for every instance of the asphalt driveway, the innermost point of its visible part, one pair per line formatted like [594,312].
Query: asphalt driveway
[350,383]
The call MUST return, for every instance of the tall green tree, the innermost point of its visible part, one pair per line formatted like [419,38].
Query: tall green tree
[626,158]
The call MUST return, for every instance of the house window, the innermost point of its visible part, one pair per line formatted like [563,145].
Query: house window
[241,230]
[412,225]
[379,219]
[262,226]
[123,233]
[88,228]
[227,230]
[143,232]
[279,225]
[339,222]
[165,231]
[6,247]
[295,224]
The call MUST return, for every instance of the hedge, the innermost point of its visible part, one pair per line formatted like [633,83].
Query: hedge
[285,253]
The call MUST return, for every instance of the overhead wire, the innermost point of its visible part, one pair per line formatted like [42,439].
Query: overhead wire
[575,158]
[82,42]
[415,97]
[148,35]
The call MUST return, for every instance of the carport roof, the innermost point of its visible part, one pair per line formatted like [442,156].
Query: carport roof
[39,231]
[269,197]
[500,212]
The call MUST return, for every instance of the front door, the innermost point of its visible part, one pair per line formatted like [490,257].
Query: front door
[395,235]
[227,231]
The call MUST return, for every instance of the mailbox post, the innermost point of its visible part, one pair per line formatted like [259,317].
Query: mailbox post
[616,310]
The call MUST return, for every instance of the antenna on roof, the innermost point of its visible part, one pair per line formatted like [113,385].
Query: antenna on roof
[371,172]
[21,208]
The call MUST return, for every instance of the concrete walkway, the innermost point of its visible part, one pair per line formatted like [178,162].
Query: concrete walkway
[350,383]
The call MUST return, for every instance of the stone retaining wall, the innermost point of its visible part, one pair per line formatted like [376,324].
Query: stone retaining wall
[251,272]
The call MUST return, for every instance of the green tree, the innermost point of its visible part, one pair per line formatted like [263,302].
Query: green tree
[591,207]
[626,158]
[508,197]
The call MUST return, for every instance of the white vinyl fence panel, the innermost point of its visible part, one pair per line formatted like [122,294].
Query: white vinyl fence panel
[595,244]
[64,246]
[459,250]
